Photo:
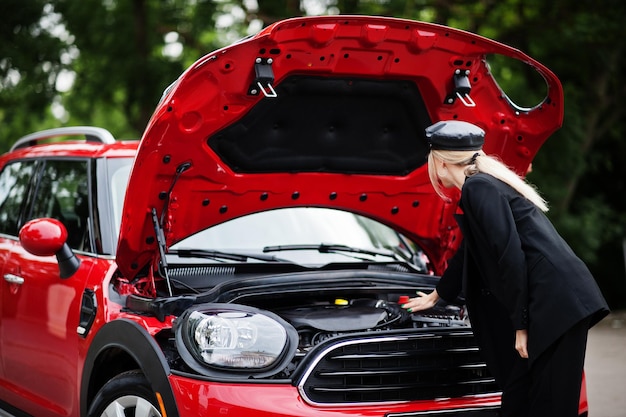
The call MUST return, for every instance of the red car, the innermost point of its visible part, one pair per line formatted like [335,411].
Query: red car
[249,256]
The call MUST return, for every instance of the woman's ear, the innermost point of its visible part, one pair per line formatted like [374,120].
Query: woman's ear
[441,169]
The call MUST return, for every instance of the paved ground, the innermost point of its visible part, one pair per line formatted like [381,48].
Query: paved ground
[605,367]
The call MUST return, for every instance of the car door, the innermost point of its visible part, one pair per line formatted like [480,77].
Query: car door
[38,338]
[15,181]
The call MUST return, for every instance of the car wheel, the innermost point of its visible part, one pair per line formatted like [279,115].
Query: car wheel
[128,395]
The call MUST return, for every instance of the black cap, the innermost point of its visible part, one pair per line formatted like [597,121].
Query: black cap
[455,135]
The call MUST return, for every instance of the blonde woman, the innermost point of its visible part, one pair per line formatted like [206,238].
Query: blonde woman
[530,299]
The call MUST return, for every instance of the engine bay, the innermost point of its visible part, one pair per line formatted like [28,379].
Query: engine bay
[316,308]
[319,321]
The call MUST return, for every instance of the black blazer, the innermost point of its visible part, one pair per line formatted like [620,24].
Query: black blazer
[516,272]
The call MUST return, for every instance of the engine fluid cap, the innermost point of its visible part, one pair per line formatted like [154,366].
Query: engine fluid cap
[341,302]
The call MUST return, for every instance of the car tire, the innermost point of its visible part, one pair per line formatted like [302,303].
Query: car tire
[128,394]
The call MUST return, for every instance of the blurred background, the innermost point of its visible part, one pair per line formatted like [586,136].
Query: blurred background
[107,62]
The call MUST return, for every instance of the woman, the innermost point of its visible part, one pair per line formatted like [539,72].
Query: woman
[530,299]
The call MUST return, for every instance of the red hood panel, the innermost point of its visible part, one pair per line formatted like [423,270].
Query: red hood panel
[346,130]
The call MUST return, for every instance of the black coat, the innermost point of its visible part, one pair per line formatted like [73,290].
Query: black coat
[516,272]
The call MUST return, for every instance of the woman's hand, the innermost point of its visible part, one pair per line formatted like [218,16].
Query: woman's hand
[423,301]
[521,343]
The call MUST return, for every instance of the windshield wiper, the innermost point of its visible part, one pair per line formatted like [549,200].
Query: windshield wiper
[333,248]
[228,256]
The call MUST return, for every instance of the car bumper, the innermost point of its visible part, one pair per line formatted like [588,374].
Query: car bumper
[196,398]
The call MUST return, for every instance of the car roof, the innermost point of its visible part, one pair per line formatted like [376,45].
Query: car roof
[71,141]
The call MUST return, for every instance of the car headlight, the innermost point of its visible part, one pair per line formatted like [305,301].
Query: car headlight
[218,338]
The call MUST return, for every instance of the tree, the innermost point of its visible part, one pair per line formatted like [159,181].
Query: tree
[124,63]
[119,55]
[31,57]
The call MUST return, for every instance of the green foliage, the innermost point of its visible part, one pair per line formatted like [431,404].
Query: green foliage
[122,69]
[106,63]
[30,60]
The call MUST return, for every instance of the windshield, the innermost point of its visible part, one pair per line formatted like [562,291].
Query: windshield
[303,235]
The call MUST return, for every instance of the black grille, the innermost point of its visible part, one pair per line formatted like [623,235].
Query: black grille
[434,364]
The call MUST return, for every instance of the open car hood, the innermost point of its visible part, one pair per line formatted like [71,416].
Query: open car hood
[323,111]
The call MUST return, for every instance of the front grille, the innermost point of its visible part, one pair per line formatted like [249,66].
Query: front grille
[437,363]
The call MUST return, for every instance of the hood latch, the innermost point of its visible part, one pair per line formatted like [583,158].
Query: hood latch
[462,89]
[264,78]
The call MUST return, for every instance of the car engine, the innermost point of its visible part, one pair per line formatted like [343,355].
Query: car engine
[318,322]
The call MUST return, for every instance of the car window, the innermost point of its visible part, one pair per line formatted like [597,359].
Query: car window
[119,181]
[63,194]
[14,182]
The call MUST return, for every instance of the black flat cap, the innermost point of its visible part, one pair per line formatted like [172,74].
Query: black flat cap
[455,135]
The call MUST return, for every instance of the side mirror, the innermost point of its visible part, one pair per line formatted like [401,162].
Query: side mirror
[47,237]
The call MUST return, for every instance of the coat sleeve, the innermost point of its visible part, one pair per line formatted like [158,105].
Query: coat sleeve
[491,218]
[451,282]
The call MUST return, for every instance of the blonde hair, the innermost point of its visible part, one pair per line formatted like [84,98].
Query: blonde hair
[478,161]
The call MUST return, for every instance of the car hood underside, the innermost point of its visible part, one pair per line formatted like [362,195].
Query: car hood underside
[327,112]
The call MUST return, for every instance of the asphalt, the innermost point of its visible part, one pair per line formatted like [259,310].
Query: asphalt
[605,367]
